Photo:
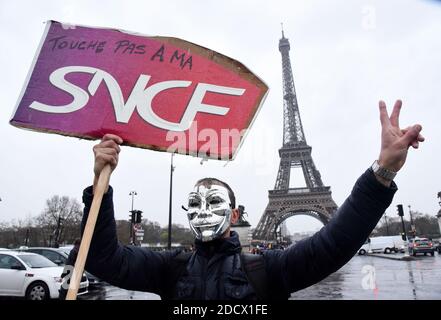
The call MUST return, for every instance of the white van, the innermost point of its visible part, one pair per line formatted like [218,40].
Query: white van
[383,244]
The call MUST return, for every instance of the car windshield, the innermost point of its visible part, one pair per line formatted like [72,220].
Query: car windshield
[36,261]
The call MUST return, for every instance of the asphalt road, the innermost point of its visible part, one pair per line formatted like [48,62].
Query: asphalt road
[374,278]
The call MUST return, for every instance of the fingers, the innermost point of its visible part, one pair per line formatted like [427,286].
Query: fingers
[394,117]
[411,137]
[420,137]
[107,158]
[384,117]
[106,152]
[415,144]
[113,137]
[109,144]
[107,147]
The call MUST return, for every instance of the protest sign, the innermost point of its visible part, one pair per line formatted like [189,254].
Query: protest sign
[159,93]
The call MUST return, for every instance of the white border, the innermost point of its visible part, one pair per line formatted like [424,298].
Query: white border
[31,69]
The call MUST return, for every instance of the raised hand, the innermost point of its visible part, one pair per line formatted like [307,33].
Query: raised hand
[106,152]
[395,142]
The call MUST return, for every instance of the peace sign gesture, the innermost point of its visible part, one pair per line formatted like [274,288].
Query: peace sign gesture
[395,141]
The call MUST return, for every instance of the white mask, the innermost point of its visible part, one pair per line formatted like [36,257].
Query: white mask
[209,211]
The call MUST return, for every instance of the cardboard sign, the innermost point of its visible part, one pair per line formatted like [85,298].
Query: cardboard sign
[157,93]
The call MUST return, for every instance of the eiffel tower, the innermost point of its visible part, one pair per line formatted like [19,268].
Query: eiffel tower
[315,199]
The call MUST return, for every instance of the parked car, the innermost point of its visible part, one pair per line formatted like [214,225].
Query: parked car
[55,255]
[59,256]
[421,245]
[30,275]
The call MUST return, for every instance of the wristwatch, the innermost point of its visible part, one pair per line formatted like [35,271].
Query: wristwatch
[383,172]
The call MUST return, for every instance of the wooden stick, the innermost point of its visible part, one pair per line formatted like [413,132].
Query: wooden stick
[103,182]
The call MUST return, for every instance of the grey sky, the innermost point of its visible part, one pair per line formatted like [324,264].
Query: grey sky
[345,57]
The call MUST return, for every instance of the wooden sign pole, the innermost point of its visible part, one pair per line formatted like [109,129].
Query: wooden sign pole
[101,187]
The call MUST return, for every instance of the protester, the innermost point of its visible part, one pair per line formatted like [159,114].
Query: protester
[216,269]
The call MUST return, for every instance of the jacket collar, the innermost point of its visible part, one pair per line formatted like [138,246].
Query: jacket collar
[223,246]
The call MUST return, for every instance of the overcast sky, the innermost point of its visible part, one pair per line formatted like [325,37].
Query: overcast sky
[346,55]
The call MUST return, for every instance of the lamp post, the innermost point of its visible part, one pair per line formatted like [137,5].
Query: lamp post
[412,225]
[439,212]
[405,239]
[138,232]
[133,194]
[26,242]
[172,168]
[387,225]
[132,236]
[57,231]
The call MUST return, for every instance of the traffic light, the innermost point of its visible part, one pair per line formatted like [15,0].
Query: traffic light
[400,210]
[138,216]
[135,216]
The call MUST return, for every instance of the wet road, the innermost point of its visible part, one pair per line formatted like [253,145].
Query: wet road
[373,278]
[364,277]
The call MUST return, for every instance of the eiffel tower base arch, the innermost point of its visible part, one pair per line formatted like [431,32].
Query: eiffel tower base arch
[314,203]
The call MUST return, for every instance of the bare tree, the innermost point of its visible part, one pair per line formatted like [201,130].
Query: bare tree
[60,220]
[425,225]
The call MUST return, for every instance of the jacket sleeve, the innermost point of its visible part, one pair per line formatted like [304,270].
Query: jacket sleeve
[314,258]
[128,267]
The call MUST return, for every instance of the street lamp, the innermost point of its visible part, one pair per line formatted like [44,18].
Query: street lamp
[133,194]
[57,231]
[412,225]
[387,225]
[172,168]
[405,239]
[26,242]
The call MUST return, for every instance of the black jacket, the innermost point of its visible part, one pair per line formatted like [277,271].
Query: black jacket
[214,271]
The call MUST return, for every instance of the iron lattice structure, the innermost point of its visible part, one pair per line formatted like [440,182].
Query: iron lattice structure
[315,199]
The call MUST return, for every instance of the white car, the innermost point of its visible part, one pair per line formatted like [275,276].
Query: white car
[31,276]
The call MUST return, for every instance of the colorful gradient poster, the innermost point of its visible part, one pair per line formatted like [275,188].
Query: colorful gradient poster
[158,93]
